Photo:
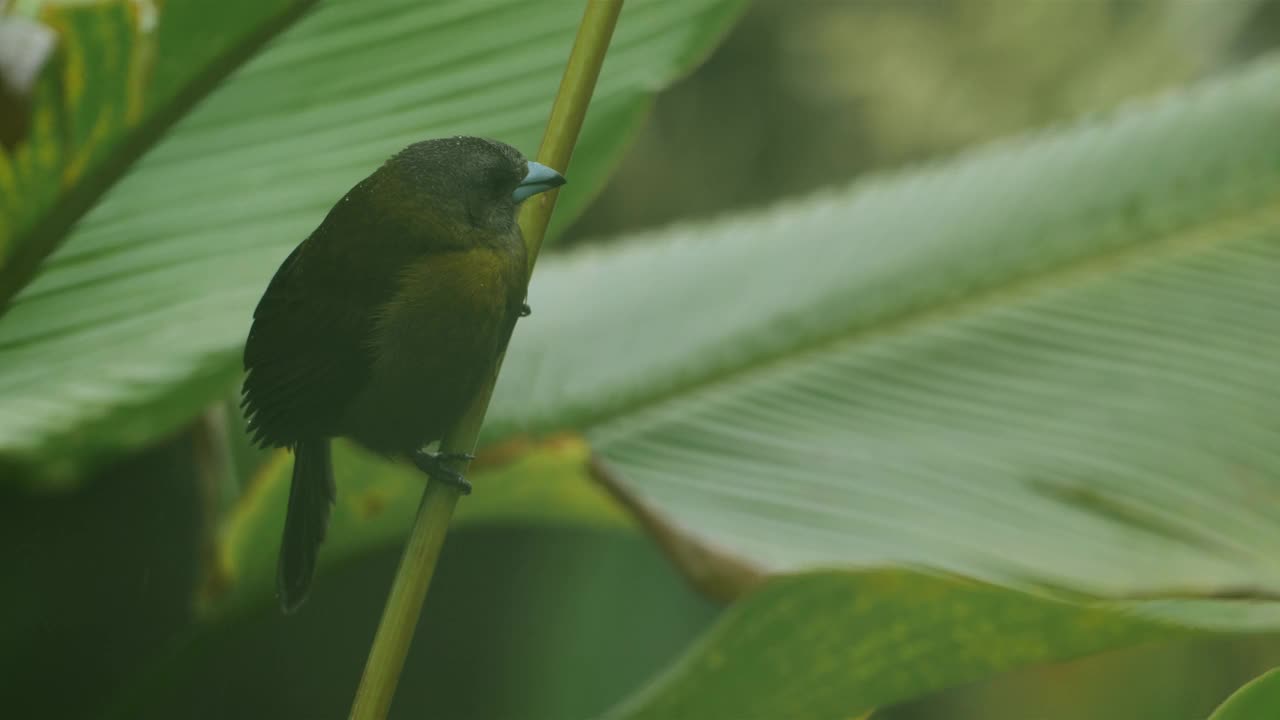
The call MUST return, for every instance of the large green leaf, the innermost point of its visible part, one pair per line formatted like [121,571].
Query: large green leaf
[1052,361]
[138,321]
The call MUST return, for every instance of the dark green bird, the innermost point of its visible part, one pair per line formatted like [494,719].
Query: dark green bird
[383,324]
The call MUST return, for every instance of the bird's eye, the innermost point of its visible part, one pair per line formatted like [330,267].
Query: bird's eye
[500,179]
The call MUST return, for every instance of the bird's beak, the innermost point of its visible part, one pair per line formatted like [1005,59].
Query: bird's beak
[540,178]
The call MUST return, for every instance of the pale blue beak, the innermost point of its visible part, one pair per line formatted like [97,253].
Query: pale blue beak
[540,178]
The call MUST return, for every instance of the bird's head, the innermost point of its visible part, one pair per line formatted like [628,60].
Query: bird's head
[469,186]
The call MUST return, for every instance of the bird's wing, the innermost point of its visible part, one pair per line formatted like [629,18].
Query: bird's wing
[308,352]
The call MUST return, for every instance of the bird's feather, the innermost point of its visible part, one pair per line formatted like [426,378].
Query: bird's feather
[309,353]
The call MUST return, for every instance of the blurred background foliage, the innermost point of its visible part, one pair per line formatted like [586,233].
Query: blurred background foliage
[534,621]
[810,93]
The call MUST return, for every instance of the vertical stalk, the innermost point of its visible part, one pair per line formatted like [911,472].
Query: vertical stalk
[409,589]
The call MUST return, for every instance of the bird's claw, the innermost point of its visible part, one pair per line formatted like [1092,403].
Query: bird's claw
[435,467]
[525,310]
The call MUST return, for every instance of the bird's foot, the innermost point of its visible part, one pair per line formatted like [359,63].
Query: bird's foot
[525,310]
[436,467]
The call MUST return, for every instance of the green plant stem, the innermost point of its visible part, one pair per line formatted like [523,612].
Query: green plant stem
[418,564]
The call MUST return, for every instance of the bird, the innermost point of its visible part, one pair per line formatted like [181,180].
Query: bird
[385,321]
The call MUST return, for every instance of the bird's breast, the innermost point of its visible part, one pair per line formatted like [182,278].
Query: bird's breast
[447,303]
[434,343]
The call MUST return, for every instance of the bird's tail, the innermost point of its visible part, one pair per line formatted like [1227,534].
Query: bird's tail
[310,499]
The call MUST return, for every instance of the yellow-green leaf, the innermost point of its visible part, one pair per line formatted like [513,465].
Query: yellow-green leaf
[522,482]
[122,73]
